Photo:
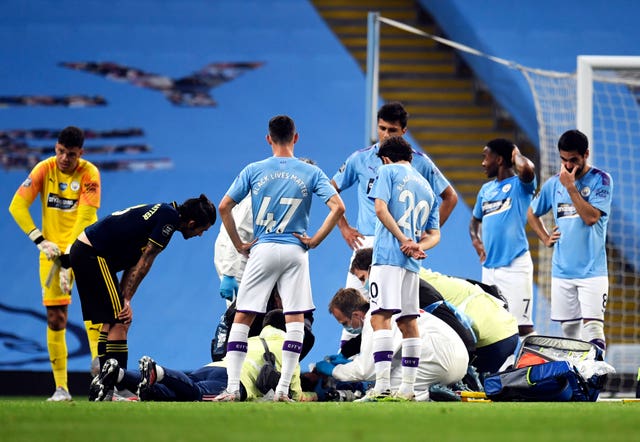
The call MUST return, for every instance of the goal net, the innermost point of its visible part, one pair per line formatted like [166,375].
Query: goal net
[602,99]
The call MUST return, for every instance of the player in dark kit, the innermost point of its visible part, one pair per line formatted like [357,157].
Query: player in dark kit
[128,240]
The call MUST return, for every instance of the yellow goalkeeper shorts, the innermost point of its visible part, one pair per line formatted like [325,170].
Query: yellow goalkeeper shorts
[52,295]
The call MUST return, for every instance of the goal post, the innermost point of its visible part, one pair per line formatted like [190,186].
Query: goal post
[373,66]
[586,65]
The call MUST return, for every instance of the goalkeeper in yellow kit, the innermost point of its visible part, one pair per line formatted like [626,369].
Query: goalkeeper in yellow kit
[69,189]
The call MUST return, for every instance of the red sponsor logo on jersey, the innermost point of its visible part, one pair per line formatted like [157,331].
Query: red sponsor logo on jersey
[91,187]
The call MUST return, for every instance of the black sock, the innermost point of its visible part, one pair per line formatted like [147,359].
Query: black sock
[119,351]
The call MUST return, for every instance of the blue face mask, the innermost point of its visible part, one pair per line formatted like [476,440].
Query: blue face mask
[366,285]
[352,330]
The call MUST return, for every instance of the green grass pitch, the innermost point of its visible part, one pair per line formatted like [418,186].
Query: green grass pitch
[34,419]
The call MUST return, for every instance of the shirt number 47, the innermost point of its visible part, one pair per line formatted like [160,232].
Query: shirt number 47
[266,219]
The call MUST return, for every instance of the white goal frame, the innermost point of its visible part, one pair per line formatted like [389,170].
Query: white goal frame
[586,64]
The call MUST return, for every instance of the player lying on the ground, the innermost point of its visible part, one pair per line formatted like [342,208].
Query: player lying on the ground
[221,338]
[158,383]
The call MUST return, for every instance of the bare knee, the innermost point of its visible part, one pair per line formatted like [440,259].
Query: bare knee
[118,332]
[57,317]
[408,327]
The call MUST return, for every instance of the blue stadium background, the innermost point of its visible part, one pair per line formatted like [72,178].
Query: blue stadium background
[306,74]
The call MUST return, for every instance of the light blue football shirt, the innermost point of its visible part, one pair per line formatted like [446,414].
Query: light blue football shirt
[281,190]
[580,252]
[413,205]
[502,208]
[361,168]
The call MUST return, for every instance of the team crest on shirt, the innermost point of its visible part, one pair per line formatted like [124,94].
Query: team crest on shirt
[342,168]
[167,230]
[75,186]
[26,183]
[62,186]
[585,192]
[506,188]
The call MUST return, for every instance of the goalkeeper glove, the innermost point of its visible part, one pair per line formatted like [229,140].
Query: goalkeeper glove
[65,275]
[66,280]
[50,249]
[228,287]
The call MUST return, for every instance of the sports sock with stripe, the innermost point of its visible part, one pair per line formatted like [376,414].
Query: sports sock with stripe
[236,354]
[119,351]
[382,355]
[291,349]
[411,349]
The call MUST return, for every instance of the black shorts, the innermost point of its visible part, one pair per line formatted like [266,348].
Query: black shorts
[98,286]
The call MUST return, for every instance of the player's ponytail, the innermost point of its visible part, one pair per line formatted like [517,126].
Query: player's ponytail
[201,210]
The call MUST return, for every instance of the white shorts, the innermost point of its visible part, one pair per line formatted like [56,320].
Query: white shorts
[352,281]
[584,298]
[272,264]
[515,281]
[395,289]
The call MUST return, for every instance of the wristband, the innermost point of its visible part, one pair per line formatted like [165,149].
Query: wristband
[36,236]
[65,261]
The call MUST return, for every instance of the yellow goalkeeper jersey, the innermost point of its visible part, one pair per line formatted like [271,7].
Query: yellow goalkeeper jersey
[63,197]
